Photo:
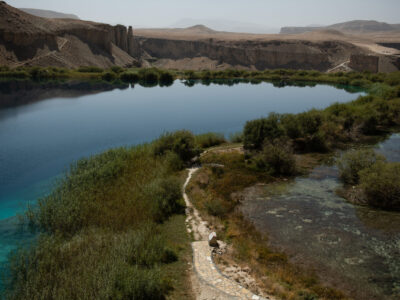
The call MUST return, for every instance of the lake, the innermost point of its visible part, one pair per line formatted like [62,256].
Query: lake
[44,127]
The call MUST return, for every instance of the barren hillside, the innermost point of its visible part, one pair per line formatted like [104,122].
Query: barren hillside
[30,40]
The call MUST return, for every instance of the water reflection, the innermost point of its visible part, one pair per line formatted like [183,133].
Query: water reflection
[19,92]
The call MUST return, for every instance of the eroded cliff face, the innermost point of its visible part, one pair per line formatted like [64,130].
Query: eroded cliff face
[30,40]
[368,63]
[255,54]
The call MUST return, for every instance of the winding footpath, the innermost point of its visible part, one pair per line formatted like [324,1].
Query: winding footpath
[208,281]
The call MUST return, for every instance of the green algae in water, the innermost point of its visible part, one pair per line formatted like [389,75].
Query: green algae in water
[355,248]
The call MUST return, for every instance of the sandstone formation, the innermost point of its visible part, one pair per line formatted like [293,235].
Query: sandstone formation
[30,40]
[368,63]
[27,40]
[253,54]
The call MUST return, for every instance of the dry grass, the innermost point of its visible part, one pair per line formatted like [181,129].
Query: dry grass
[247,247]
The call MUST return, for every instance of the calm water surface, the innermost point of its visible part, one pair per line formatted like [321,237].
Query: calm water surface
[44,127]
[353,247]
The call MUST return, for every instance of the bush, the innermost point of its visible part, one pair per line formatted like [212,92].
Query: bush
[181,143]
[90,70]
[40,73]
[117,69]
[166,78]
[4,68]
[165,194]
[15,74]
[210,139]
[354,161]
[109,76]
[149,76]
[129,77]
[236,137]
[277,158]
[381,185]
[257,131]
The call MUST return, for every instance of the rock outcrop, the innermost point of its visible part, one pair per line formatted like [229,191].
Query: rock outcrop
[292,54]
[30,40]
[362,63]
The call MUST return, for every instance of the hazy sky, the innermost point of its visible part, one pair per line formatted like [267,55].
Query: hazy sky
[272,13]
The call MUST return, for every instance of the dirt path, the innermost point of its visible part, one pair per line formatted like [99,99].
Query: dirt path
[207,281]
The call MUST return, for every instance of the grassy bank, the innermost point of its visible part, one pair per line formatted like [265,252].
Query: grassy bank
[166,77]
[113,228]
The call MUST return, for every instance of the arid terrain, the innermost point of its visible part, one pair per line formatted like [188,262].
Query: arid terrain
[27,40]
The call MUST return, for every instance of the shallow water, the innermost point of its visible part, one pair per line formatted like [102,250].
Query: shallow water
[46,126]
[352,247]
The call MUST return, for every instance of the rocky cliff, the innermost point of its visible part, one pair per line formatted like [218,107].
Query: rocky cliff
[30,40]
[368,63]
[293,54]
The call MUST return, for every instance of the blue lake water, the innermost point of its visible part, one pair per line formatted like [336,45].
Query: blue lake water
[45,127]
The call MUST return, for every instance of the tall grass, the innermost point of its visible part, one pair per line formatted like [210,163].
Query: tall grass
[101,234]
[210,139]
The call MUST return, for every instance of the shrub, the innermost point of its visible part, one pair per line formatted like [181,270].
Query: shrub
[236,137]
[129,77]
[257,131]
[354,161]
[210,139]
[117,69]
[40,73]
[90,70]
[166,78]
[381,185]
[15,74]
[165,195]
[149,76]
[109,76]
[277,158]
[4,68]
[180,142]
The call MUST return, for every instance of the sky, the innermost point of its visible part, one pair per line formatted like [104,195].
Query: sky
[270,13]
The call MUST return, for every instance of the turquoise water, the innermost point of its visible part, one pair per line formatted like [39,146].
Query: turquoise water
[355,248]
[46,126]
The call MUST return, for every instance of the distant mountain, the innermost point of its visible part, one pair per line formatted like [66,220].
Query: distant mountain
[357,26]
[225,25]
[49,14]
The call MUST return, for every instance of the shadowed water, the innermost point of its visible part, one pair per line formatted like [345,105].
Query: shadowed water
[46,126]
[356,248]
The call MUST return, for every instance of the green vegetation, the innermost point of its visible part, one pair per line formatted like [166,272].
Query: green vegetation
[376,180]
[210,139]
[381,185]
[236,137]
[354,161]
[180,143]
[276,158]
[113,228]
[215,192]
